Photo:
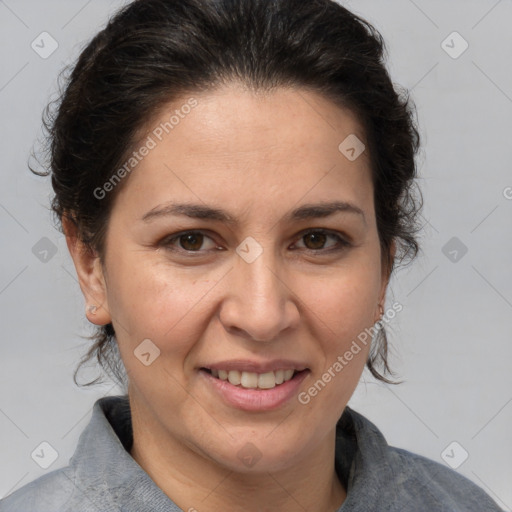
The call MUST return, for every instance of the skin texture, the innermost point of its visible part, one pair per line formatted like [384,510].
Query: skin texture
[257,156]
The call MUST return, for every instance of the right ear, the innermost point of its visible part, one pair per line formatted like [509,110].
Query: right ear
[90,274]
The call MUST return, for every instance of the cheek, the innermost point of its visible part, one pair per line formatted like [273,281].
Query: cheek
[159,304]
[343,303]
[155,302]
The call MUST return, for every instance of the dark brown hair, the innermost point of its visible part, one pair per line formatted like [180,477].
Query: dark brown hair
[154,51]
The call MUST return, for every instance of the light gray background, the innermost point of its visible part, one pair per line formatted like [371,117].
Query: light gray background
[452,341]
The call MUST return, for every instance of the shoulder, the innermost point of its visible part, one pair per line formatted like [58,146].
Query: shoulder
[421,479]
[91,477]
[53,492]
[395,479]
[62,490]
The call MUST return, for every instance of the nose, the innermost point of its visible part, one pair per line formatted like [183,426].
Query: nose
[259,304]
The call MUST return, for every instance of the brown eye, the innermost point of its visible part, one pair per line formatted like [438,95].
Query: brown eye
[191,241]
[315,240]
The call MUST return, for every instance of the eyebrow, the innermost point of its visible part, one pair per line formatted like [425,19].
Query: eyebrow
[199,211]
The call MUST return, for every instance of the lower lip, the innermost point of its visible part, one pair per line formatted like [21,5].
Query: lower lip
[255,399]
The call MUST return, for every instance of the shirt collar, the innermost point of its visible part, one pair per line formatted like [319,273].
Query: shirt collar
[365,465]
[104,468]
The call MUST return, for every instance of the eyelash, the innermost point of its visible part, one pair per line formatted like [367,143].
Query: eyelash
[342,243]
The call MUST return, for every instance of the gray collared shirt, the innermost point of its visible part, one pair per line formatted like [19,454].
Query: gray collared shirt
[103,477]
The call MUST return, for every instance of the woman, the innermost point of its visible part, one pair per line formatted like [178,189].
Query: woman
[235,182]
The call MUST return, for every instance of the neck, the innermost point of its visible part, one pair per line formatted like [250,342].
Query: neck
[195,482]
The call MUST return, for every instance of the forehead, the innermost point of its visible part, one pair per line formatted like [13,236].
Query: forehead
[242,148]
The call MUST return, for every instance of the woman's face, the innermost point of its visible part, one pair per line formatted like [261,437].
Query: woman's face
[252,296]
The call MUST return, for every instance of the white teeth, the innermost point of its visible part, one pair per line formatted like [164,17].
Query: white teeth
[288,374]
[267,380]
[252,380]
[249,380]
[234,377]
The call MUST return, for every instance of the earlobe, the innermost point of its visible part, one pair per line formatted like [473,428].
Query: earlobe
[90,274]
[387,265]
[390,260]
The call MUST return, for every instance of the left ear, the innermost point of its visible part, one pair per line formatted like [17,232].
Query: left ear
[90,275]
[386,273]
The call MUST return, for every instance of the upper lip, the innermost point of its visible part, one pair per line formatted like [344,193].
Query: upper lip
[244,365]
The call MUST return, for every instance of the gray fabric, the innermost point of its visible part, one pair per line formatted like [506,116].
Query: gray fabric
[103,477]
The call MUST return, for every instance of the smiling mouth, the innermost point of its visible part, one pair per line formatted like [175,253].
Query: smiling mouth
[252,380]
